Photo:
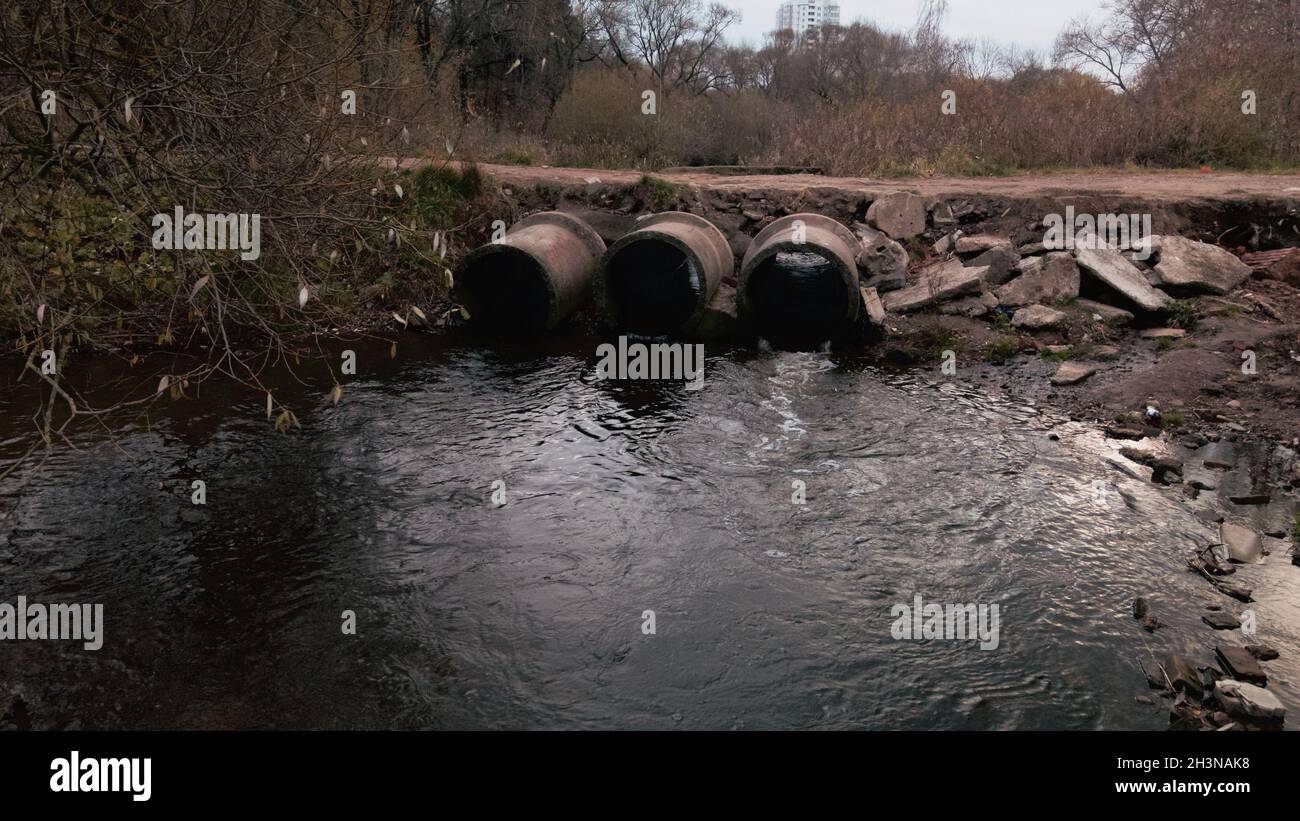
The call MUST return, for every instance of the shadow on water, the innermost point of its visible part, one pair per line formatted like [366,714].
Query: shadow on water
[619,498]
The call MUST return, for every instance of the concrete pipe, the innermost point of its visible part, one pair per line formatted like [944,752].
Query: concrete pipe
[798,284]
[530,280]
[658,279]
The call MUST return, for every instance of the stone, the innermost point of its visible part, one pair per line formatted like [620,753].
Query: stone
[886,282]
[1246,701]
[1072,373]
[971,306]
[1283,264]
[1183,676]
[1111,268]
[937,283]
[1197,266]
[1167,471]
[1162,333]
[1042,280]
[1000,260]
[1243,543]
[1261,498]
[881,260]
[1239,664]
[979,243]
[945,244]
[900,215]
[1238,591]
[719,317]
[1102,312]
[1124,431]
[1221,621]
[1151,460]
[875,309]
[1038,318]
[941,213]
[1262,652]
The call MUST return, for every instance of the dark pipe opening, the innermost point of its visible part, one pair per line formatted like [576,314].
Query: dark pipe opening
[652,287]
[797,299]
[506,291]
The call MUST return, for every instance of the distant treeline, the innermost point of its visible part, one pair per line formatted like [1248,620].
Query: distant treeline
[1149,82]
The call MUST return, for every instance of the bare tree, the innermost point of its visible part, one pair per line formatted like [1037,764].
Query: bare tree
[1099,48]
[672,39]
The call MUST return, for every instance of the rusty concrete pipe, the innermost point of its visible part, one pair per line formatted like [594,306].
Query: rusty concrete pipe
[658,279]
[530,280]
[798,283]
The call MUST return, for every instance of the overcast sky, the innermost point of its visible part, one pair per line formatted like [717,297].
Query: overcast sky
[1027,23]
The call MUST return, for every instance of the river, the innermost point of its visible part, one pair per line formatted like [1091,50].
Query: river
[618,499]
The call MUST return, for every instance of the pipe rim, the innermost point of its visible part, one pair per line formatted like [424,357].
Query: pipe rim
[810,220]
[645,232]
[465,275]
[584,232]
[764,247]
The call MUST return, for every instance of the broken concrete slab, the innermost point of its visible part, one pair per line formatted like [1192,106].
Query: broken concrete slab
[1111,268]
[1042,280]
[1240,592]
[880,257]
[979,243]
[946,243]
[1197,266]
[1239,664]
[1038,318]
[875,309]
[1247,701]
[969,306]
[940,212]
[1221,621]
[1243,543]
[935,284]
[1001,262]
[1072,373]
[1162,333]
[1102,312]
[1178,673]
[900,215]
[1282,264]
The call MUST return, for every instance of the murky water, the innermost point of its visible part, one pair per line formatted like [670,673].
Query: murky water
[619,500]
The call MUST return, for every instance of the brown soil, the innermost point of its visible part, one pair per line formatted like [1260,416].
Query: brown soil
[1166,186]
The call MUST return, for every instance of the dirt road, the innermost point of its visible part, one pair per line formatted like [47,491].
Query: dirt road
[1166,186]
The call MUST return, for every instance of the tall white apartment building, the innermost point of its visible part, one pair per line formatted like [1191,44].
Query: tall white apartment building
[801,15]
